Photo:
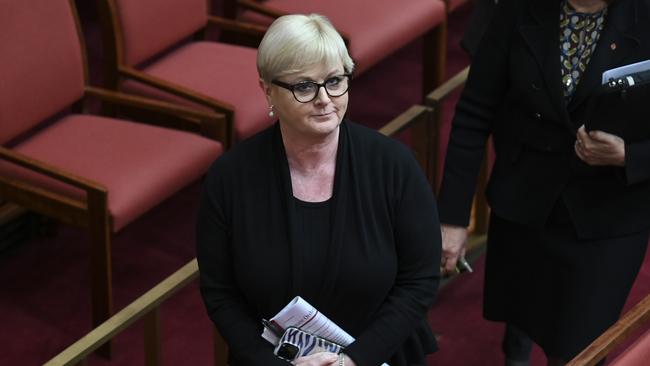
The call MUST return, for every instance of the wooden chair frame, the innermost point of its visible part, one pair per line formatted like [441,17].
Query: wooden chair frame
[92,212]
[147,308]
[117,69]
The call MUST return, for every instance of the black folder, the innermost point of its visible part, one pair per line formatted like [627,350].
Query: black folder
[622,107]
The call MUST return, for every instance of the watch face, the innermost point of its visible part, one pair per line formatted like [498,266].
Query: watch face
[288,351]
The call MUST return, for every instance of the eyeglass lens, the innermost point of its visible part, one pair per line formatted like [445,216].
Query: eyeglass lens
[307,91]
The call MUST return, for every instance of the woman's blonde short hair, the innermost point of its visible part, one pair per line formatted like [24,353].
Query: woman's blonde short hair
[295,42]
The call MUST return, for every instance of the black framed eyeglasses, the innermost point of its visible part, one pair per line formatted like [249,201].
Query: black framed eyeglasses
[306,91]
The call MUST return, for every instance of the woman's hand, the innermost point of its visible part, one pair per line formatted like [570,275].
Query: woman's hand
[454,239]
[318,359]
[323,359]
[600,148]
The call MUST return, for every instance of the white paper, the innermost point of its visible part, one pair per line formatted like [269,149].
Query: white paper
[300,314]
[626,70]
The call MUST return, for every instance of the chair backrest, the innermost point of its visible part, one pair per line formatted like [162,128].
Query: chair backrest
[41,62]
[147,27]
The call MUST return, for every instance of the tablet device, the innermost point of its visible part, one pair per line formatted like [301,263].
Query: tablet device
[622,107]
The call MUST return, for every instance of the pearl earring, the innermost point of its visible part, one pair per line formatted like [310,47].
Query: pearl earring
[271,113]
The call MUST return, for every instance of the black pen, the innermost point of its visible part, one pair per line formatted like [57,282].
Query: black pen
[272,327]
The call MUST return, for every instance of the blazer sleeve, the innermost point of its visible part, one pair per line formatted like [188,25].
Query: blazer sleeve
[224,301]
[417,243]
[637,162]
[484,93]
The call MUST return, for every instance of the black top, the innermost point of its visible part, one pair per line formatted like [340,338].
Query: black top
[313,230]
[382,264]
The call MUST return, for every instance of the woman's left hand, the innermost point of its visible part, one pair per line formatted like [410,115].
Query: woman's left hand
[600,148]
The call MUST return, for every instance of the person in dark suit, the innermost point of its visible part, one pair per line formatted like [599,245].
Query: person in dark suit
[318,207]
[478,23]
[570,210]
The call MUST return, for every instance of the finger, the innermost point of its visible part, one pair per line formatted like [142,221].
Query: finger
[580,153]
[602,137]
[450,264]
[321,358]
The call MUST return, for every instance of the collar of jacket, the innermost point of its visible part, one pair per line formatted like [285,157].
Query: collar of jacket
[619,40]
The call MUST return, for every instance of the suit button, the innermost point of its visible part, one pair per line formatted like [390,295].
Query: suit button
[535,86]
[538,116]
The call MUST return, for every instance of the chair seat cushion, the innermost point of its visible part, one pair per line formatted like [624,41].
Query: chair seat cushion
[375,30]
[223,72]
[139,165]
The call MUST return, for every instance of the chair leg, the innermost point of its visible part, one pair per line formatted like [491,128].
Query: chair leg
[101,284]
[425,137]
[434,58]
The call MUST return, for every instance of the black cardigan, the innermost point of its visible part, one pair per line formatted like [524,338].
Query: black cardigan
[383,258]
[514,92]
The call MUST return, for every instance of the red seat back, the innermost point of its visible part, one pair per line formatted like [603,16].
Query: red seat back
[41,63]
[151,26]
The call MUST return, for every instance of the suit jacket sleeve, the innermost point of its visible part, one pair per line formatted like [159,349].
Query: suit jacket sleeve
[482,97]
[637,162]
[225,304]
[417,244]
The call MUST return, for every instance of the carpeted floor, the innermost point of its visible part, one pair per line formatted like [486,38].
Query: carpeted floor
[45,293]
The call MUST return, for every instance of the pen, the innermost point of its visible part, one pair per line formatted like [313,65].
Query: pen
[272,327]
[463,266]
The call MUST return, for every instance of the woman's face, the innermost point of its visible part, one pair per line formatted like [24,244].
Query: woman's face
[316,118]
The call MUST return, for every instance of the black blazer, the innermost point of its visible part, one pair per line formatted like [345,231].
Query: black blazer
[514,92]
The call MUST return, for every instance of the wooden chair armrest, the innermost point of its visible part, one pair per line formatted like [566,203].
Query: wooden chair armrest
[178,90]
[149,302]
[615,335]
[404,120]
[434,98]
[151,104]
[249,29]
[50,171]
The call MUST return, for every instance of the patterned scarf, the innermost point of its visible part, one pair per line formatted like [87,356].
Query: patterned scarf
[579,33]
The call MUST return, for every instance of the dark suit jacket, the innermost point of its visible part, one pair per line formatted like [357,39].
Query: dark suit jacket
[383,260]
[478,22]
[514,92]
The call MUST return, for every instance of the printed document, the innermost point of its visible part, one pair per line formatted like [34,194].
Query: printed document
[302,315]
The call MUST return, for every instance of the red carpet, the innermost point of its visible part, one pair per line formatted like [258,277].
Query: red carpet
[45,295]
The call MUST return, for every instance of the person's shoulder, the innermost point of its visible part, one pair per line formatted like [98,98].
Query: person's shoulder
[369,141]
[245,154]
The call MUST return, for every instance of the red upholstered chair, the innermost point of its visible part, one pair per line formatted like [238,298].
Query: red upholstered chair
[96,172]
[373,30]
[637,354]
[152,52]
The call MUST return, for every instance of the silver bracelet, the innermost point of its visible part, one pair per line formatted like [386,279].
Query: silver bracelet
[341,359]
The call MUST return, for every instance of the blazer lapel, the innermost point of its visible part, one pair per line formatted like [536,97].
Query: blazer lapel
[541,33]
[619,40]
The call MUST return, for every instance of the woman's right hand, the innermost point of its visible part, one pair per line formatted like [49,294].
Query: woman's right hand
[454,239]
[318,359]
